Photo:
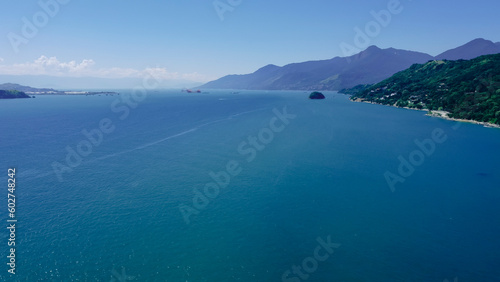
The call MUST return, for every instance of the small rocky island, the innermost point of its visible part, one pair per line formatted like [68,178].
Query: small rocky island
[316,95]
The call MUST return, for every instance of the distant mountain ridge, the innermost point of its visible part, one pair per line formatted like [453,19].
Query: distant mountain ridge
[475,48]
[89,83]
[22,88]
[336,73]
[367,67]
[14,88]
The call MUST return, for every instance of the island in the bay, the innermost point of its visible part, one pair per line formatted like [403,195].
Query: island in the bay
[316,95]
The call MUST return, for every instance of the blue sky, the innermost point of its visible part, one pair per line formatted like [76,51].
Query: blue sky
[188,40]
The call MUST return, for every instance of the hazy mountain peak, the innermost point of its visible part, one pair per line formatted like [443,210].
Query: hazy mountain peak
[372,48]
[471,50]
[368,52]
[268,67]
[479,40]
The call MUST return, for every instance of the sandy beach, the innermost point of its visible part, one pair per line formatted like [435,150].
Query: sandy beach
[438,114]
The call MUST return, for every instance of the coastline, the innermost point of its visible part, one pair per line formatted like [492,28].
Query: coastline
[73,93]
[437,114]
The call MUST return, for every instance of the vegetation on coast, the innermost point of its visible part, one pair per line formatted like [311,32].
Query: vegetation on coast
[12,94]
[466,89]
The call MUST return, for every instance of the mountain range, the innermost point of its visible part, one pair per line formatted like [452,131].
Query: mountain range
[367,67]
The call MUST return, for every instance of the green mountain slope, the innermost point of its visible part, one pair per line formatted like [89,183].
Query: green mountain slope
[11,94]
[466,89]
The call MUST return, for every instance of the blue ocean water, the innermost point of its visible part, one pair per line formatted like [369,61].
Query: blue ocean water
[306,199]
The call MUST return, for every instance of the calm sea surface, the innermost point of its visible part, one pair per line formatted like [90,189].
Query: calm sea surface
[253,186]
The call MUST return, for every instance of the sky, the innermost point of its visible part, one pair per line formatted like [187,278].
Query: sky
[202,40]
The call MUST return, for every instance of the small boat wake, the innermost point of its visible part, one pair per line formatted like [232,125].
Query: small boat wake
[175,135]
[38,174]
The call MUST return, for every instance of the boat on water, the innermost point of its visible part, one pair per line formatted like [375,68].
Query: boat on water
[192,91]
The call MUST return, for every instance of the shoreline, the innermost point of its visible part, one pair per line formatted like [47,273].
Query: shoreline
[436,114]
[73,93]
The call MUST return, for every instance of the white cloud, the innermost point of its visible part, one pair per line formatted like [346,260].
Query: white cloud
[86,68]
[49,66]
